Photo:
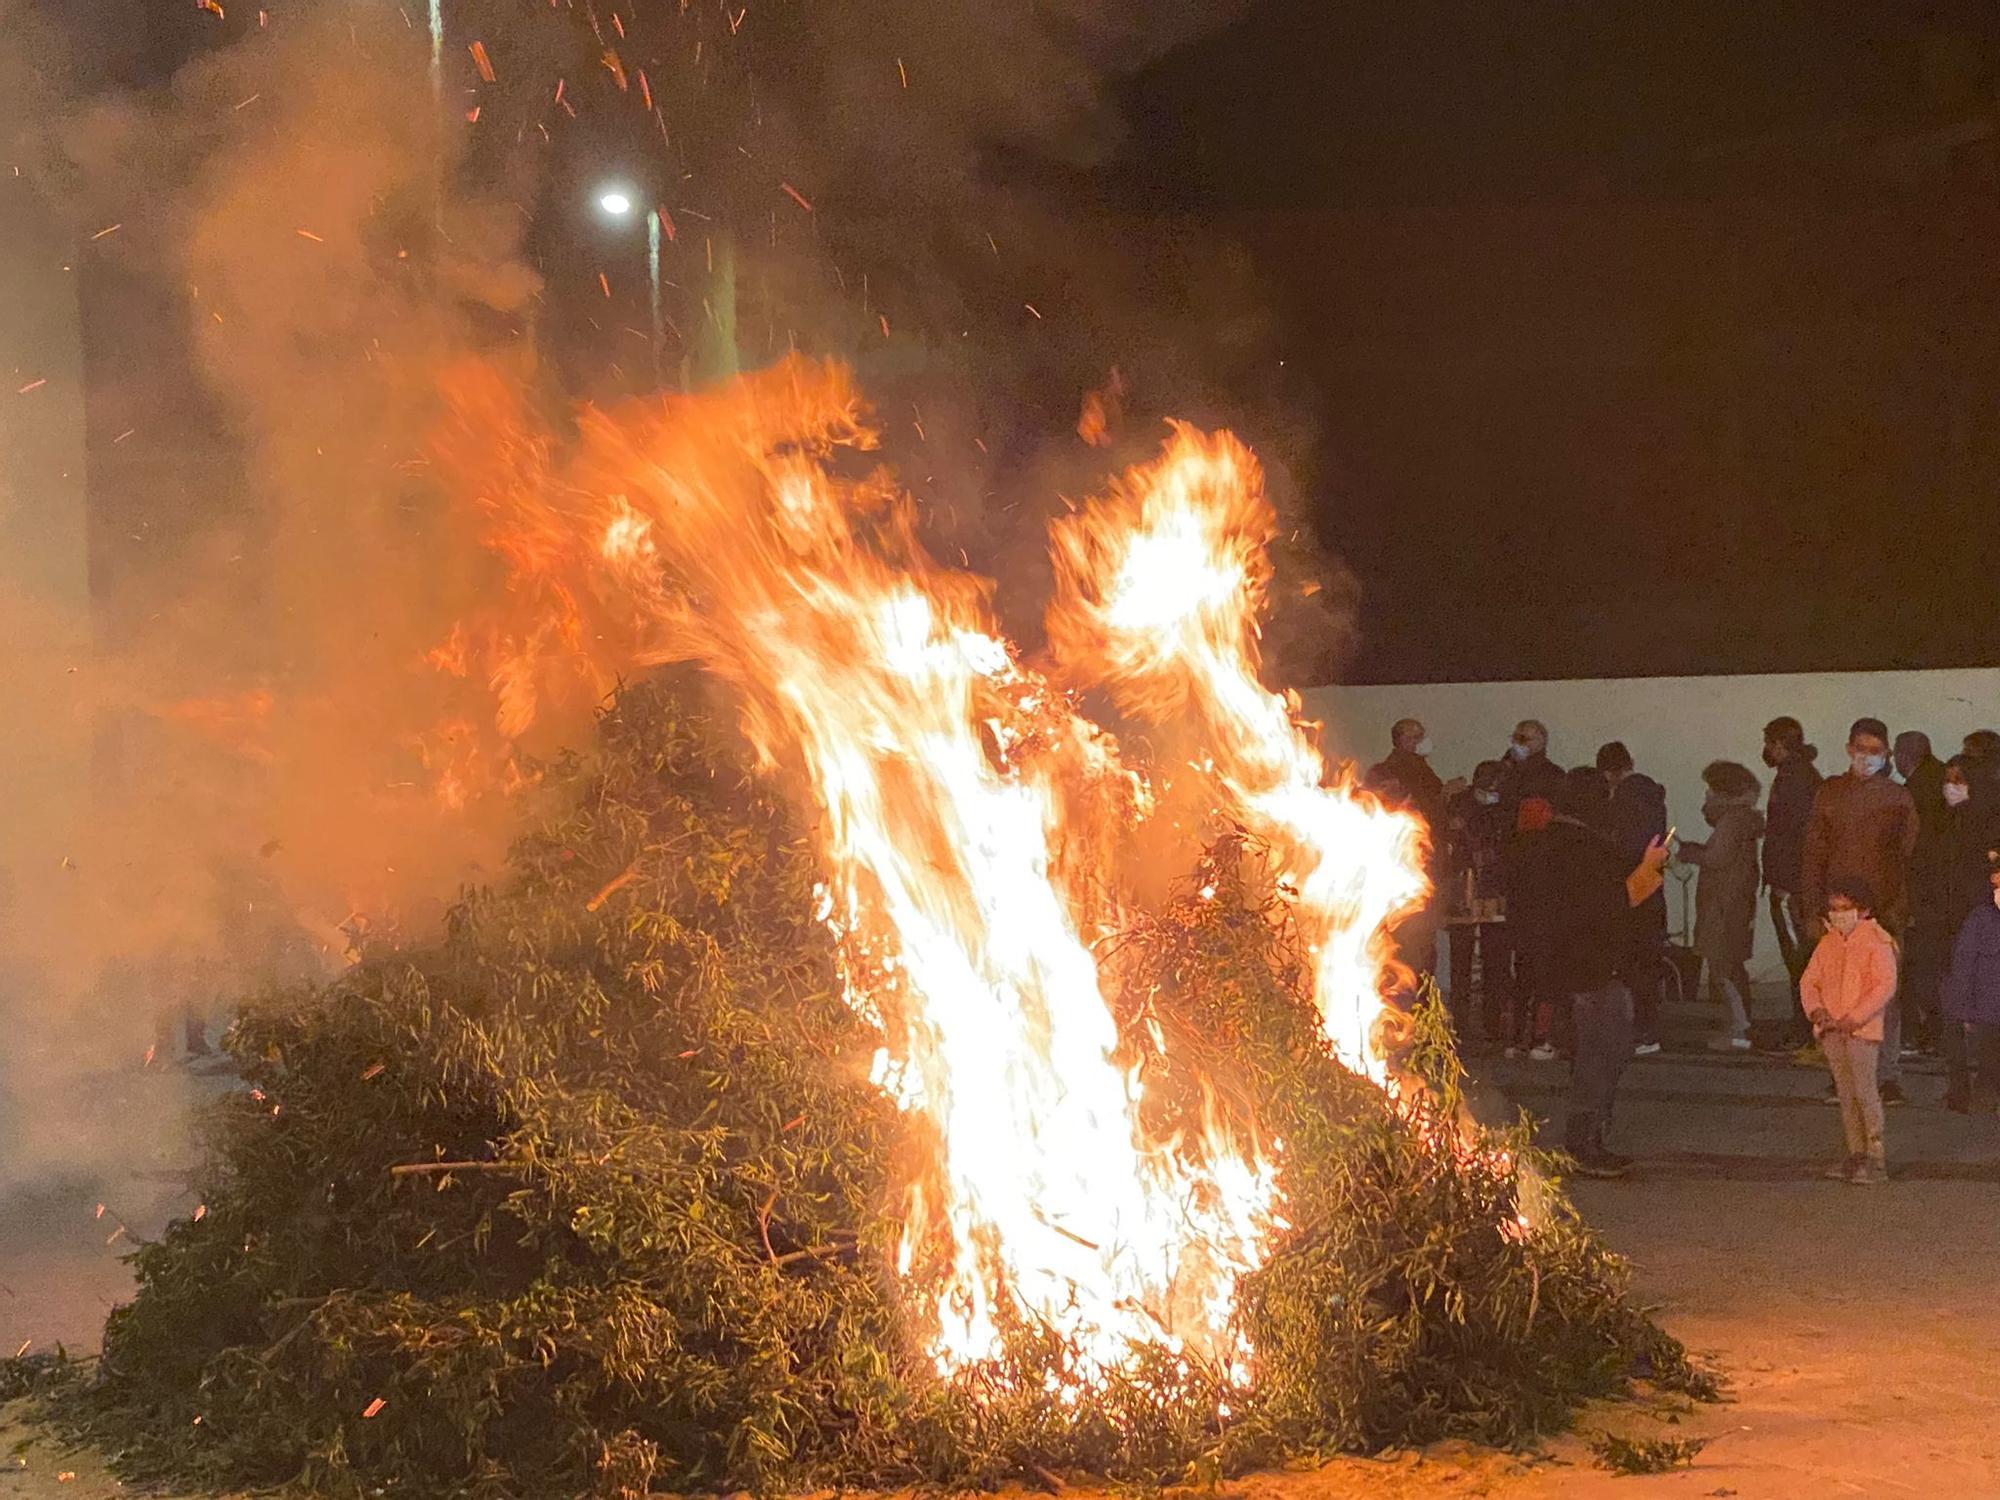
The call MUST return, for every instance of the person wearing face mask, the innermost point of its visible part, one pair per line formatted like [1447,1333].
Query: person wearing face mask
[1530,772]
[1786,817]
[1972,827]
[1848,987]
[1725,896]
[1475,841]
[1864,827]
[1404,778]
[1971,1004]
[1927,941]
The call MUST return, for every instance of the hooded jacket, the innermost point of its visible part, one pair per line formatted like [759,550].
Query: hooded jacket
[1852,978]
[1725,896]
[1972,988]
[1862,826]
[1788,815]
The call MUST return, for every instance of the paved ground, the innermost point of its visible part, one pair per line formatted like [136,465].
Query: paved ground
[1861,1327]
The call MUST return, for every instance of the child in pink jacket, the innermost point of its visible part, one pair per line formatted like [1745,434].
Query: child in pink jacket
[1846,988]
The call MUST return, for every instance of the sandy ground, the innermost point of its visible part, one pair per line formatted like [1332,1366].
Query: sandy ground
[1859,1327]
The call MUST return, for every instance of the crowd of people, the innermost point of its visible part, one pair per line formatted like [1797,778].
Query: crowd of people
[1881,884]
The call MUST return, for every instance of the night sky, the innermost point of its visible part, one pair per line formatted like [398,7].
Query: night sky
[1644,339]
[1593,340]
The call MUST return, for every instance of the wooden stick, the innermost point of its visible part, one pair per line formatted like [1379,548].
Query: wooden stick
[419,1168]
[615,883]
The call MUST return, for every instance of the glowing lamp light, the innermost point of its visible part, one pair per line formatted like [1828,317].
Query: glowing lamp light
[615,201]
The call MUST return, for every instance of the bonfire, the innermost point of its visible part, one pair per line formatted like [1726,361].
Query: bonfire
[877,1067]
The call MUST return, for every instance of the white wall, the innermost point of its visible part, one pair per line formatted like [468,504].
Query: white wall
[1673,726]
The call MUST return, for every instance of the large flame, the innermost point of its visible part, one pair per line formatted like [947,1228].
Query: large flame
[1158,591]
[968,814]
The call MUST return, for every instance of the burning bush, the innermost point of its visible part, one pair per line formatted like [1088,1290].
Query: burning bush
[596,1195]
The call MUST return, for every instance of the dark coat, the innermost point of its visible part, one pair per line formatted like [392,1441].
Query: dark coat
[1406,780]
[1725,897]
[1537,776]
[1638,816]
[1788,815]
[1567,905]
[1475,838]
[1972,988]
[1929,875]
[1970,831]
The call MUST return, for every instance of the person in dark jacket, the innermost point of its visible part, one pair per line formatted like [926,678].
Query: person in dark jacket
[1725,897]
[1572,909]
[1972,827]
[1638,817]
[1406,781]
[1530,772]
[1786,818]
[1983,744]
[1972,1005]
[1927,941]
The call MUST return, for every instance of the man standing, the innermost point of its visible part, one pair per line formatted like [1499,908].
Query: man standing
[1572,913]
[1530,772]
[1927,944]
[1864,826]
[1405,780]
[1786,817]
[1639,819]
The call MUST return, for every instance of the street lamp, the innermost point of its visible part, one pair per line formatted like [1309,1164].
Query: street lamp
[615,203]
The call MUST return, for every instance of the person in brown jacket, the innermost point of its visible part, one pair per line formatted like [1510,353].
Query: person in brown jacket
[1864,827]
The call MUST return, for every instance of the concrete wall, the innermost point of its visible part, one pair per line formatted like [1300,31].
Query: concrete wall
[1673,725]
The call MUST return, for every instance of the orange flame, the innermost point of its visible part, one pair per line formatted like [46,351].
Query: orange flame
[968,814]
[1158,591]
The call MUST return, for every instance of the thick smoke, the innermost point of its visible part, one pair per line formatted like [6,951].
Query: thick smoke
[262,683]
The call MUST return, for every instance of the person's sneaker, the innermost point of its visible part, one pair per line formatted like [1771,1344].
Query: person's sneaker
[1510,1051]
[1842,1171]
[1603,1165]
[1914,1053]
[1729,1044]
[1892,1093]
[1869,1174]
[1832,1094]
[1543,1052]
[1646,1049]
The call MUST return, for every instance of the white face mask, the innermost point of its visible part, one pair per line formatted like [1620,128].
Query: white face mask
[1486,798]
[1957,793]
[1423,747]
[1517,751]
[1867,765]
[1843,922]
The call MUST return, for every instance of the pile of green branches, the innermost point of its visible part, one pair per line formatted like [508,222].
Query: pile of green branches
[594,1197]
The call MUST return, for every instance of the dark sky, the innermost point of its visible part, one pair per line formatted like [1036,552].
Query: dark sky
[1642,339]
[1626,338]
